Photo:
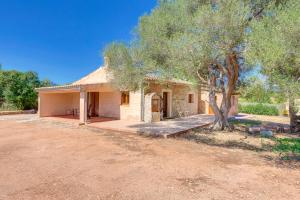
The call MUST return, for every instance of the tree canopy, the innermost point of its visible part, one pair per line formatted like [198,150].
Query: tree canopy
[17,89]
[275,44]
[202,41]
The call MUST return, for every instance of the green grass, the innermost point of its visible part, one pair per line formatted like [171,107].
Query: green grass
[287,145]
[258,109]
[245,122]
[7,107]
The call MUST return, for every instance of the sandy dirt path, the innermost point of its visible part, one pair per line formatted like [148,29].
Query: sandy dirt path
[40,160]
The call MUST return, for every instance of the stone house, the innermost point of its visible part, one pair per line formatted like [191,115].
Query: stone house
[95,96]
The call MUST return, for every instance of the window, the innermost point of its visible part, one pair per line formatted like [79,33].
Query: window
[191,98]
[125,98]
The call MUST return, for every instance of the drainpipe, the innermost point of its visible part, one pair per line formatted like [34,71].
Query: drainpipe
[142,102]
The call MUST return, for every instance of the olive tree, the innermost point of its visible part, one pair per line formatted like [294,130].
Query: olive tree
[201,41]
[274,43]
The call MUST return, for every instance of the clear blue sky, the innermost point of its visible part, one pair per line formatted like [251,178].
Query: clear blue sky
[63,39]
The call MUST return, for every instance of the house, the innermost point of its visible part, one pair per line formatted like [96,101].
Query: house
[95,96]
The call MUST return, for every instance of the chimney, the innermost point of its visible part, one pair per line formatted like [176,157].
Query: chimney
[106,61]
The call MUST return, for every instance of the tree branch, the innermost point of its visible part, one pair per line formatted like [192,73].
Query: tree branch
[200,77]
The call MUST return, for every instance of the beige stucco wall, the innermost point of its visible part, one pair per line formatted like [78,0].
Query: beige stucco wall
[55,104]
[133,110]
[234,102]
[109,104]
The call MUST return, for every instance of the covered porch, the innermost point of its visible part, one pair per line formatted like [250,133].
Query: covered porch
[83,104]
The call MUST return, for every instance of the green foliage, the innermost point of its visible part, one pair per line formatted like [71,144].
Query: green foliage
[201,41]
[126,66]
[7,107]
[46,83]
[245,122]
[185,44]
[259,109]
[17,89]
[256,90]
[274,43]
[180,39]
[287,145]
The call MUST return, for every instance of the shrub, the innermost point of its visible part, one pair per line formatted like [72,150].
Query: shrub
[7,107]
[259,109]
[287,145]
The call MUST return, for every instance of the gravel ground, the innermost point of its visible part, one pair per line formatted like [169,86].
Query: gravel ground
[41,160]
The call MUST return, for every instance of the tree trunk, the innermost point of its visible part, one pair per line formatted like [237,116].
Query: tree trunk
[221,116]
[219,122]
[294,119]
[221,113]
[218,74]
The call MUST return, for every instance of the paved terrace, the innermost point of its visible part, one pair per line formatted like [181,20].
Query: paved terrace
[162,129]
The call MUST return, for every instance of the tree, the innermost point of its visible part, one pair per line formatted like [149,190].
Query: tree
[256,90]
[126,66]
[275,44]
[18,88]
[201,41]
[46,83]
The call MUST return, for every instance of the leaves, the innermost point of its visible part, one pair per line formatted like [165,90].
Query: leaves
[275,44]
[18,88]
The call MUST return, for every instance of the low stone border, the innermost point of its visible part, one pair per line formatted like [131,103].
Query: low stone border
[17,112]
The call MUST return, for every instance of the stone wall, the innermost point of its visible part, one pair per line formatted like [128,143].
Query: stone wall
[133,110]
[179,97]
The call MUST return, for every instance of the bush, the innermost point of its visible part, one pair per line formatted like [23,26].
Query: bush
[7,107]
[259,109]
[17,89]
[288,145]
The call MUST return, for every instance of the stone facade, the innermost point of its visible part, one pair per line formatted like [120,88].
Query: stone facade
[133,110]
[178,99]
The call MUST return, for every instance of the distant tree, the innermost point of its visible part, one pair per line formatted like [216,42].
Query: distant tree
[256,90]
[275,44]
[18,88]
[46,83]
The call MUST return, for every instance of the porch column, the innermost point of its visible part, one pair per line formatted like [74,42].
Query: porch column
[39,105]
[83,107]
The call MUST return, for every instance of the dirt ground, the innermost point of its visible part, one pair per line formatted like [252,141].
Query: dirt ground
[41,160]
[267,119]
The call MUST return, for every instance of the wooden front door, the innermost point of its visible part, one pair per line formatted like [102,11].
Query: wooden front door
[165,104]
[210,109]
[93,104]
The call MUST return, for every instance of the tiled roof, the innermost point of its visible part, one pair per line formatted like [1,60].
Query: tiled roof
[154,77]
[65,87]
[101,75]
